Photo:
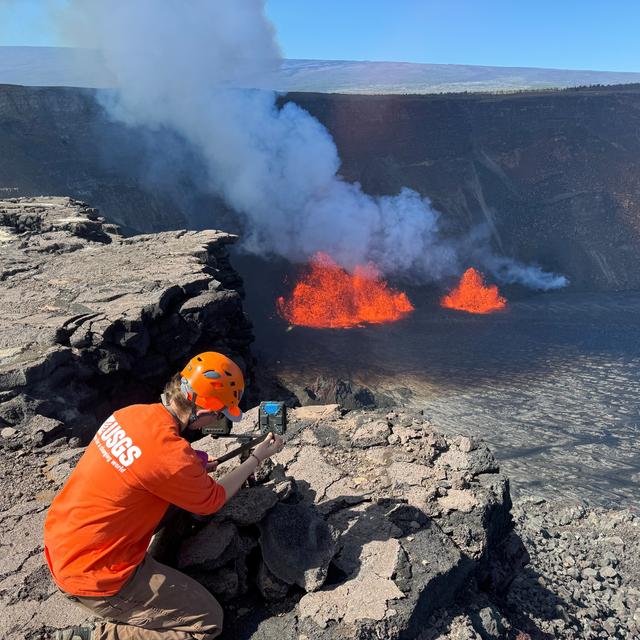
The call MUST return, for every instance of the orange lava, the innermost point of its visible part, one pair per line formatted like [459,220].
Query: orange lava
[473,296]
[327,297]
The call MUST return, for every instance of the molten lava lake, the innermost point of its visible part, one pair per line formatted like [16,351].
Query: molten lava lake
[551,382]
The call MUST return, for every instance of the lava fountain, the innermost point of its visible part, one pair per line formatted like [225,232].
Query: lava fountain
[328,297]
[473,296]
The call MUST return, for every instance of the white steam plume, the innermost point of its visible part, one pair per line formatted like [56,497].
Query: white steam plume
[184,65]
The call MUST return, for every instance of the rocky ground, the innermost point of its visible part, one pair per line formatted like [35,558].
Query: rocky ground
[582,582]
[333,543]
[369,524]
[584,577]
[363,526]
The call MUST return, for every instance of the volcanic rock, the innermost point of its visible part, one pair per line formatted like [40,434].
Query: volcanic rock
[393,580]
[82,302]
[366,596]
[397,559]
[210,548]
[297,545]
[223,583]
[343,392]
[271,587]
[249,506]
[371,562]
[476,461]
[566,592]
[489,624]
[370,434]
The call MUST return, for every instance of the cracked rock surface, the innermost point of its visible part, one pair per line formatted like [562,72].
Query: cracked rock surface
[399,542]
[92,320]
[363,552]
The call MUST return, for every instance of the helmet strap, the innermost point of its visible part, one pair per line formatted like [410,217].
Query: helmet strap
[194,409]
[187,390]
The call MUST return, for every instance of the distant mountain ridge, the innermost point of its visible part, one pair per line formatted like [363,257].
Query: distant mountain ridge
[335,76]
[67,67]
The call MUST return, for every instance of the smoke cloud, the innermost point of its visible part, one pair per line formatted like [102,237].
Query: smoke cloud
[189,66]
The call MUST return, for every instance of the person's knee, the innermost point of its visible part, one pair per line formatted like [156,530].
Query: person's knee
[213,620]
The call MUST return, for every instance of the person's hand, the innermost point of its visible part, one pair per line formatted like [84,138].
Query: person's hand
[271,445]
[211,465]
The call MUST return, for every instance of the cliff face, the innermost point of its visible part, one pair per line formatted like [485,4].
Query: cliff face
[555,176]
[91,320]
[59,141]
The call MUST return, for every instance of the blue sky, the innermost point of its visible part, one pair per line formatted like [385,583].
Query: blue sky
[568,34]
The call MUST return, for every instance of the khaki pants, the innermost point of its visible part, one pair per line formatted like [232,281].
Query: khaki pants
[156,603]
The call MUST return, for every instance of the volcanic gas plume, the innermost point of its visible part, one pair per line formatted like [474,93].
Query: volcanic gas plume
[188,68]
[473,296]
[327,296]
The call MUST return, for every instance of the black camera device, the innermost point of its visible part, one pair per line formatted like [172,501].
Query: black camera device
[272,418]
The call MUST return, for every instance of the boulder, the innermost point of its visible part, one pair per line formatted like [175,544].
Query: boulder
[212,547]
[475,461]
[371,434]
[392,577]
[343,392]
[249,506]
[297,545]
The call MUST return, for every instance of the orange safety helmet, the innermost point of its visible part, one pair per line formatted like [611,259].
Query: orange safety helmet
[214,382]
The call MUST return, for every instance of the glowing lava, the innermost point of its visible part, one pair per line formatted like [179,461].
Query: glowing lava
[473,296]
[329,297]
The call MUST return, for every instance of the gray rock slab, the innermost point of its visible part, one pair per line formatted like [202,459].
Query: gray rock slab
[371,434]
[475,461]
[393,587]
[297,545]
[249,506]
[213,546]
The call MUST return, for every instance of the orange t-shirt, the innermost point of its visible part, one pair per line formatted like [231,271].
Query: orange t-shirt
[99,526]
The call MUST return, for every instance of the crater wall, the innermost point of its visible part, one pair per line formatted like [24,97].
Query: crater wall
[554,175]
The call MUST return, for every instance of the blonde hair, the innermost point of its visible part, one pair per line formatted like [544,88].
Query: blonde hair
[173,393]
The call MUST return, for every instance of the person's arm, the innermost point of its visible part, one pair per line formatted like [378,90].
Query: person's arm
[189,487]
[233,480]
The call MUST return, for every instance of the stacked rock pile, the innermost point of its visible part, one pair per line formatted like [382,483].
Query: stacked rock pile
[333,541]
[365,524]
